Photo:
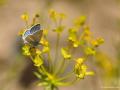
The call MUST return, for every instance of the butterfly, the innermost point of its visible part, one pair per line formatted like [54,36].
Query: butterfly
[33,35]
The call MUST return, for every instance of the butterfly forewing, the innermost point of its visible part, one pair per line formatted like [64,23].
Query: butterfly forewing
[26,33]
[35,28]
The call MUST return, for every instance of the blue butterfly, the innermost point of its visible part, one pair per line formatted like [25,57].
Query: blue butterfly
[32,35]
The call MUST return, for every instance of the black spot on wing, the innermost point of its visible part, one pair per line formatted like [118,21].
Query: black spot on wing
[35,28]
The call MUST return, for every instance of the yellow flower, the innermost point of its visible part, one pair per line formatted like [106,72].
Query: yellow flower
[80,60]
[59,29]
[100,41]
[65,53]
[76,43]
[53,15]
[89,51]
[83,74]
[72,34]
[87,31]
[44,42]
[62,16]
[25,16]
[45,32]
[81,70]
[87,34]
[97,42]
[84,68]
[45,49]
[38,52]
[26,50]
[94,43]
[74,38]
[80,21]
[37,61]
[90,73]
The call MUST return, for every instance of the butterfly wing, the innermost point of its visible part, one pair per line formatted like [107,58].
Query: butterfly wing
[33,35]
[26,34]
[35,38]
[35,28]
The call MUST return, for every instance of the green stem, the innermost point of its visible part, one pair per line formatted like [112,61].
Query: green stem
[51,87]
[50,62]
[68,83]
[63,65]
[60,67]
[26,24]
[66,76]
[56,50]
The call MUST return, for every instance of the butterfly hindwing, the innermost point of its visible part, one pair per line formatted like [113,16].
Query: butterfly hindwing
[35,38]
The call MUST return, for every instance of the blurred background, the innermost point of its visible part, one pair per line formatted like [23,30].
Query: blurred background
[103,17]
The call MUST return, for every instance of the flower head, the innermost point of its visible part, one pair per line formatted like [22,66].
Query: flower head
[50,73]
[26,50]
[45,32]
[80,21]
[65,53]
[53,15]
[25,16]
[44,42]
[37,61]
[62,16]
[46,49]
[97,42]
[59,29]
[80,69]
[72,34]
[89,51]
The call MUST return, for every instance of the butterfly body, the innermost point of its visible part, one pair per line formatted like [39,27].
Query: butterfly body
[32,35]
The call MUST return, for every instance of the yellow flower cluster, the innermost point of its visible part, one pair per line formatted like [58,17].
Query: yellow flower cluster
[29,51]
[45,44]
[26,50]
[79,39]
[80,69]
[80,35]
[56,16]
[36,53]
[80,21]
[37,61]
